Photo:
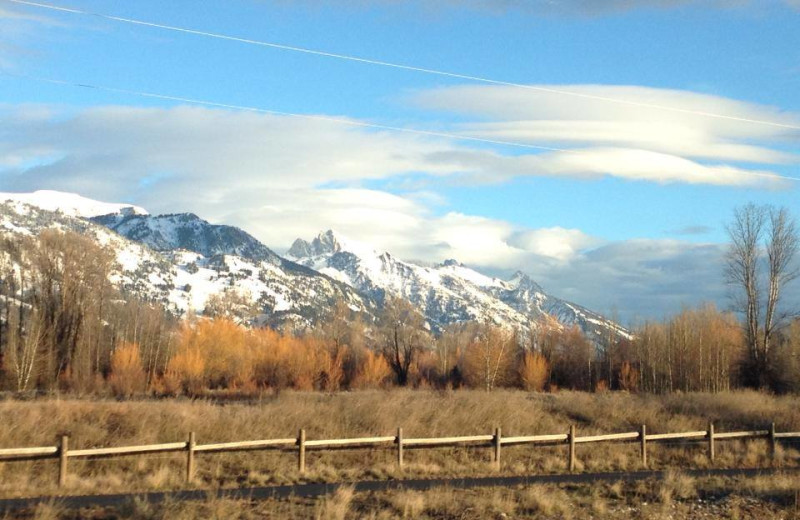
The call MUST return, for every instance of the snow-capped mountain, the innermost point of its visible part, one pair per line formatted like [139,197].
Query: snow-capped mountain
[445,293]
[182,260]
[190,232]
[184,280]
[71,204]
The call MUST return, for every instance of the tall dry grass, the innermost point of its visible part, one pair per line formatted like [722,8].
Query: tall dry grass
[676,498]
[353,414]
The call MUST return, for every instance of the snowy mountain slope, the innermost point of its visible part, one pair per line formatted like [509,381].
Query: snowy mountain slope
[446,293]
[184,280]
[71,204]
[181,260]
[140,271]
[190,232]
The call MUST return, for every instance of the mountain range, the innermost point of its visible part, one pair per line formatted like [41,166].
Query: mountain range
[182,260]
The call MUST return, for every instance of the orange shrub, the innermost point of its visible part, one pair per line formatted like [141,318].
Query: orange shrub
[187,367]
[373,371]
[127,375]
[533,372]
[628,378]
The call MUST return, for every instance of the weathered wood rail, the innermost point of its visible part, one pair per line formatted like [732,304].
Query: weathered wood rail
[301,444]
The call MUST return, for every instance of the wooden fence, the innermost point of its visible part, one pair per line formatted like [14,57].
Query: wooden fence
[301,444]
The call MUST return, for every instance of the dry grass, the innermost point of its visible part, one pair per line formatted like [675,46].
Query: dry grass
[336,506]
[676,485]
[352,414]
[751,499]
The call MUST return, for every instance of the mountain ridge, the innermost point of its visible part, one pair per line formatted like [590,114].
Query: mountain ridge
[71,204]
[448,292]
[191,259]
[184,280]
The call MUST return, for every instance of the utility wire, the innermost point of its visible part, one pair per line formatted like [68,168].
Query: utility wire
[337,120]
[358,59]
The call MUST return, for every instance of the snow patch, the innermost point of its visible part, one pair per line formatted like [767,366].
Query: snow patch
[71,204]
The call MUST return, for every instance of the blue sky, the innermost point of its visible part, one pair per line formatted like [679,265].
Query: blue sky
[631,218]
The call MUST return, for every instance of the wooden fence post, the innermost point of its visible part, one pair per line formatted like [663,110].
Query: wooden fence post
[772,441]
[643,444]
[190,457]
[571,448]
[711,450]
[400,448]
[301,452]
[62,460]
[497,442]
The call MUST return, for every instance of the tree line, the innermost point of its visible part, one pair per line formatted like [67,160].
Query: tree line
[65,327]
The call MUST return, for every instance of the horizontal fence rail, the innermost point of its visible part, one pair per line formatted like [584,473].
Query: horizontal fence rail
[536,439]
[27,453]
[742,435]
[247,445]
[128,450]
[608,437]
[676,436]
[447,441]
[355,443]
[300,444]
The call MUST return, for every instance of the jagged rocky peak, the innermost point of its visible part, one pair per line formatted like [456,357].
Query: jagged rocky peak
[159,260]
[326,243]
[300,249]
[330,267]
[190,232]
[522,281]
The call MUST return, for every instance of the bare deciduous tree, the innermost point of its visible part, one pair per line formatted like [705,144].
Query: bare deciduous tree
[488,357]
[232,304]
[404,335]
[758,234]
[781,250]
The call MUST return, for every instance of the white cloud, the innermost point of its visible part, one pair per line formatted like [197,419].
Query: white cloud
[194,151]
[203,150]
[625,163]
[633,139]
[9,14]
[636,164]
[281,178]
[641,278]
[20,29]
[555,242]
[684,128]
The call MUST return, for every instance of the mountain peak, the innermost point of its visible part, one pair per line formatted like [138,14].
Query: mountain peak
[328,243]
[72,204]
[519,275]
[325,243]
[300,249]
[522,281]
[189,232]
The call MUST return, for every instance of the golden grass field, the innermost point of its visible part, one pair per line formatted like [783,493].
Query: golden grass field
[678,497]
[421,413]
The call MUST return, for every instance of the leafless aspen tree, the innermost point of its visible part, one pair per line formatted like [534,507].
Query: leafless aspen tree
[404,336]
[760,234]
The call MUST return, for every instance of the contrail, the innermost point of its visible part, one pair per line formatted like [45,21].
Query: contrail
[380,63]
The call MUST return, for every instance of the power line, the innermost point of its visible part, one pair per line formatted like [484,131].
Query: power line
[413,68]
[337,120]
